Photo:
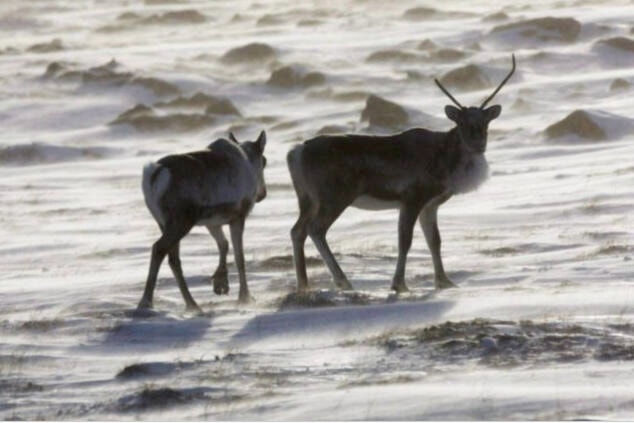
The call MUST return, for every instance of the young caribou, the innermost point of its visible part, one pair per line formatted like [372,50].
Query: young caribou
[211,187]
[415,171]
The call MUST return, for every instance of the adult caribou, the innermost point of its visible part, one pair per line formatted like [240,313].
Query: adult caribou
[415,171]
[212,187]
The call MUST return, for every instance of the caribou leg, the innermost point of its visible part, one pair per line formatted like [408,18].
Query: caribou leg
[172,234]
[175,264]
[406,222]
[220,276]
[237,228]
[317,231]
[298,236]
[429,222]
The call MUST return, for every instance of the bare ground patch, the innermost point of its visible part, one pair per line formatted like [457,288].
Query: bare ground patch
[508,344]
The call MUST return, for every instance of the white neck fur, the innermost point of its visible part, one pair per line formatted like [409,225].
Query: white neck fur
[471,172]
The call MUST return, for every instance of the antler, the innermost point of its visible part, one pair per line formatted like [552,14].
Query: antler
[444,90]
[501,85]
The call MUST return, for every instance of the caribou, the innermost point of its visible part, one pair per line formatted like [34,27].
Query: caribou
[212,187]
[415,172]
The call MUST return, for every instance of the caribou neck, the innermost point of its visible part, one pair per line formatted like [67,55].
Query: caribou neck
[466,169]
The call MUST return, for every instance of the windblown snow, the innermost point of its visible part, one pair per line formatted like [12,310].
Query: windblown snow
[541,326]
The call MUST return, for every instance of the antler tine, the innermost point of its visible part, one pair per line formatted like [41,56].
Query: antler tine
[444,90]
[501,85]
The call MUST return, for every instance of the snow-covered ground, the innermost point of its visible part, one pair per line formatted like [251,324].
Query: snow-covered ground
[541,326]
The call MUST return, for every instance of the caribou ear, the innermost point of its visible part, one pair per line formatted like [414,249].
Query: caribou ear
[453,113]
[492,112]
[261,142]
[233,138]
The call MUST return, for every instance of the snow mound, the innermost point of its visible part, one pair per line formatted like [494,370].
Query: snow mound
[37,153]
[253,52]
[620,84]
[381,112]
[539,30]
[393,55]
[131,20]
[423,13]
[615,51]
[201,101]
[293,76]
[53,45]
[180,114]
[621,43]
[108,74]
[591,125]
[467,78]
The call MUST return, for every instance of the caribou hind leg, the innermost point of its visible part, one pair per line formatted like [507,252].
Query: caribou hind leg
[298,236]
[220,276]
[175,264]
[237,228]
[317,229]
[173,232]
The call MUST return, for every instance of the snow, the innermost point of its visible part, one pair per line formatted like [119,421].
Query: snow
[541,326]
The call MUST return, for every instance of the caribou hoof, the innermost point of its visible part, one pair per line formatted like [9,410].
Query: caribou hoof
[245,298]
[144,304]
[193,309]
[344,285]
[445,283]
[400,287]
[221,282]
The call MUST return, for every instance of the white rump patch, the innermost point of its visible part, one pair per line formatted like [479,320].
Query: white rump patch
[152,191]
[469,175]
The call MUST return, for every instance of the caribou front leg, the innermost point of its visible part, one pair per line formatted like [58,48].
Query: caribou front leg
[237,228]
[429,222]
[406,222]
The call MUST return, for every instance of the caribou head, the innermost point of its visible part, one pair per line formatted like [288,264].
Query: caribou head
[472,122]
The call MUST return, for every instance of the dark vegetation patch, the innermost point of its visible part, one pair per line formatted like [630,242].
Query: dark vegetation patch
[142,370]
[42,325]
[500,252]
[152,398]
[19,386]
[286,262]
[322,298]
[508,344]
